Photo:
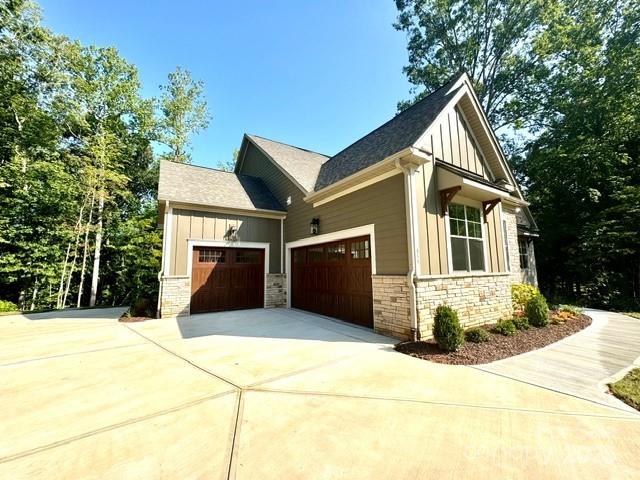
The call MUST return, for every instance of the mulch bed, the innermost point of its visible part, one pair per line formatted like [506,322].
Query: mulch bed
[125,319]
[498,347]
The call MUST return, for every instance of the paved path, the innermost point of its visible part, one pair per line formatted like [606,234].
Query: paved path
[278,394]
[582,364]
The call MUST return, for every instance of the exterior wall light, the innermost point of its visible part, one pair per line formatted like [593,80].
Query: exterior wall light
[314,226]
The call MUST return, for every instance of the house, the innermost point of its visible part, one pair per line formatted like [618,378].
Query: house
[422,211]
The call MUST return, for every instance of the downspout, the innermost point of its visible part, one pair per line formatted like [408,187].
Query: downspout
[412,241]
[164,252]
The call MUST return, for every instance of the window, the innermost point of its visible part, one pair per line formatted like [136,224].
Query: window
[523,249]
[336,252]
[506,245]
[360,249]
[248,256]
[467,246]
[210,255]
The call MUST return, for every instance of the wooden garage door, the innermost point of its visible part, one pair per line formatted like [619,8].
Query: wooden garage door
[226,279]
[334,279]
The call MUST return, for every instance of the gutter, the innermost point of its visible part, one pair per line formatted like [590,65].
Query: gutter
[162,260]
[409,171]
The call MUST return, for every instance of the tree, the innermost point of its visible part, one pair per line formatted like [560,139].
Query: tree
[183,114]
[490,40]
[230,165]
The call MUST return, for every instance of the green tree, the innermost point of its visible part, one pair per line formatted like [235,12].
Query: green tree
[491,40]
[183,113]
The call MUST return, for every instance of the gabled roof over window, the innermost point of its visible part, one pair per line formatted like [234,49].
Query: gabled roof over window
[195,185]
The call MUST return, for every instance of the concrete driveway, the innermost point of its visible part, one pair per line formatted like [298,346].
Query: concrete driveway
[278,394]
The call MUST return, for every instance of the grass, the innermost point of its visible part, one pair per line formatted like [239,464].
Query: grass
[633,314]
[627,388]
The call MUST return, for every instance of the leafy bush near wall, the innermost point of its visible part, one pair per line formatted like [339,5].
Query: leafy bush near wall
[537,311]
[7,306]
[506,327]
[521,293]
[447,330]
[521,323]
[476,335]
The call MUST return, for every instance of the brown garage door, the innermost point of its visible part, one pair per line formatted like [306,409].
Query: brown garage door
[334,279]
[226,279]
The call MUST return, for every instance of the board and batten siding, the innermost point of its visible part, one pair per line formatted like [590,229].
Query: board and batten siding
[381,204]
[207,225]
[432,228]
[451,141]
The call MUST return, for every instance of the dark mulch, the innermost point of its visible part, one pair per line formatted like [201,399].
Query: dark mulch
[498,346]
[125,319]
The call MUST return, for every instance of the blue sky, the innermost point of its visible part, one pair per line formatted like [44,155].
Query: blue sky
[316,74]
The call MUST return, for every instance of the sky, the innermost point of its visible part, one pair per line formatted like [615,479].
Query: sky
[314,74]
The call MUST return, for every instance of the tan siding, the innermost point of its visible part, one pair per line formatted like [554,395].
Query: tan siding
[382,204]
[495,241]
[203,225]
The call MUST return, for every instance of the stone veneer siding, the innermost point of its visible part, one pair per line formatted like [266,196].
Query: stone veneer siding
[276,290]
[478,299]
[176,296]
[391,314]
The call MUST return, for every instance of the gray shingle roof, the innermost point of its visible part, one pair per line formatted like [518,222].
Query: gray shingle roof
[303,165]
[400,132]
[205,186]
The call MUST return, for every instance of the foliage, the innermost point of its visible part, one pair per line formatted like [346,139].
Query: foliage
[521,293]
[627,388]
[571,309]
[184,113]
[78,177]
[521,323]
[537,311]
[505,327]
[7,306]
[447,330]
[490,40]
[476,335]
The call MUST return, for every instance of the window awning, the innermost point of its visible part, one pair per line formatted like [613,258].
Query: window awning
[476,189]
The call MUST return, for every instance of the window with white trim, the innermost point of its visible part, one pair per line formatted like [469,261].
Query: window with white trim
[523,250]
[467,244]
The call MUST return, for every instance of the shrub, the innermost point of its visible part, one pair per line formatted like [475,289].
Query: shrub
[447,329]
[572,309]
[506,327]
[7,306]
[521,323]
[537,311]
[521,293]
[476,335]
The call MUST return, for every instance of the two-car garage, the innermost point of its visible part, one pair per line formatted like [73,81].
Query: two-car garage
[332,279]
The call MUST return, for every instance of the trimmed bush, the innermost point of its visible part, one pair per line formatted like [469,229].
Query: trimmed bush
[447,330]
[521,323]
[506,327]
[476,335]
[521,293]
[7,306]
[537,311]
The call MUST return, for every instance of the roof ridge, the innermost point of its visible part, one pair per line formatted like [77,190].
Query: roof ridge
[451,80]
[202,166]
[288,145]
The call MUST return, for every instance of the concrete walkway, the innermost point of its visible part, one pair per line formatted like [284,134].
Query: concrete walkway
[582,364]
[278,394]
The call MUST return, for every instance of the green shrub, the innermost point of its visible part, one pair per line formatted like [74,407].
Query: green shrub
[521,293]
[447,330]
[521,323]
[537,311]
[476,335]
[572,309]
[506,327]
[7,306]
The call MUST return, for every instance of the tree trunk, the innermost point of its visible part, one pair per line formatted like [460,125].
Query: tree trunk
[85,248]
[64,272]
[96,256]
[34,295]
[75,254]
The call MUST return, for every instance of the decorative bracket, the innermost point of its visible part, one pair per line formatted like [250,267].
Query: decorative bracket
[446,196]
[488,206]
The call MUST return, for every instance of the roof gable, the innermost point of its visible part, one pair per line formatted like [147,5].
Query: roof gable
[301,166]
[196,185]
[397,134]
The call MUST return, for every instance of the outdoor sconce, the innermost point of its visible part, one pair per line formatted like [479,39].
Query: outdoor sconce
[232,234]
[314,226]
